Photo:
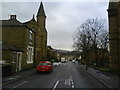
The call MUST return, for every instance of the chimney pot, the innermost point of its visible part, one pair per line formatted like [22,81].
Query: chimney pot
[13,17]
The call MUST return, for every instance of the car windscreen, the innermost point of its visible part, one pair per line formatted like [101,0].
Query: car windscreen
[43,64]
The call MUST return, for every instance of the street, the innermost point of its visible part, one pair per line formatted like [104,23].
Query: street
[65,75]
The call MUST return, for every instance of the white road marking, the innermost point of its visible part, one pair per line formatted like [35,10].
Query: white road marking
[20,84]
[67,82]
[56,85]
[73,86]
[72,82]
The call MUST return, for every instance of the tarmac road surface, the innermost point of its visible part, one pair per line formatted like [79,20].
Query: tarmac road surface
[65,75]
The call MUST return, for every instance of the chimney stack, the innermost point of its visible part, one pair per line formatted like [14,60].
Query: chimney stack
[13,17]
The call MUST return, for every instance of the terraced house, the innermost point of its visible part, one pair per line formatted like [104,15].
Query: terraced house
[24,44]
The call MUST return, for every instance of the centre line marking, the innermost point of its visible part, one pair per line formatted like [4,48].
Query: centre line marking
[73,86]
[56,85]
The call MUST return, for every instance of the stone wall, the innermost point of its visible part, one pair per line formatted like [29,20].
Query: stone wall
[114,35]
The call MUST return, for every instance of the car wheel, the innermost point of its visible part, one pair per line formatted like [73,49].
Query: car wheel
[50,71]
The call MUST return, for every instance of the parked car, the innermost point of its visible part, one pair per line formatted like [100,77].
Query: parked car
[73,61]
[56,63]
[44,66]
[76,62]
[63,61]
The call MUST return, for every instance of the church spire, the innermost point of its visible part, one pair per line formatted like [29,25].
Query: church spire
[41,11]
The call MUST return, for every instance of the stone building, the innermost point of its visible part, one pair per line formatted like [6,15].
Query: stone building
[114,35]
[41,33]
[18,43]
[53,54]
[24,44]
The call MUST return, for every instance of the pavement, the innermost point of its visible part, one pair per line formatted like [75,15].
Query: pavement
[17,76]
[20,75]
[109,80]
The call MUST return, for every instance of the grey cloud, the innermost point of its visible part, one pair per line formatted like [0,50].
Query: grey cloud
[62,17]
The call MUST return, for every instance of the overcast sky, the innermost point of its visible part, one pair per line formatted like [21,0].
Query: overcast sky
[62,17]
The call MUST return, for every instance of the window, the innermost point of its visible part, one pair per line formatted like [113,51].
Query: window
[30,54]
[14,57]
[30,35]
[42,64]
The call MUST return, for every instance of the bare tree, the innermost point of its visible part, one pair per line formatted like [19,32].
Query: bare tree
[91,33]
[103,41]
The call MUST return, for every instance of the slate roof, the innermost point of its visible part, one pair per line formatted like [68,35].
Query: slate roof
[11,22]
[5,46]
[14,22]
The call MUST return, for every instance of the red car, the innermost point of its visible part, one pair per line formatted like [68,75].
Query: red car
[44,66]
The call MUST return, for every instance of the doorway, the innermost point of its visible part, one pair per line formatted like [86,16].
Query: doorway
[18,63]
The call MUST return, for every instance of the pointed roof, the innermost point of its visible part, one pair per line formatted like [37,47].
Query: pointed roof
[41,11]
[33,18]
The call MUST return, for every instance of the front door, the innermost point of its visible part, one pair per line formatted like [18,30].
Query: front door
[18,64]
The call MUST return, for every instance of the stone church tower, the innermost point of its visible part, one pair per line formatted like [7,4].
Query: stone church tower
[114,36]
[41,21]
[39,27]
